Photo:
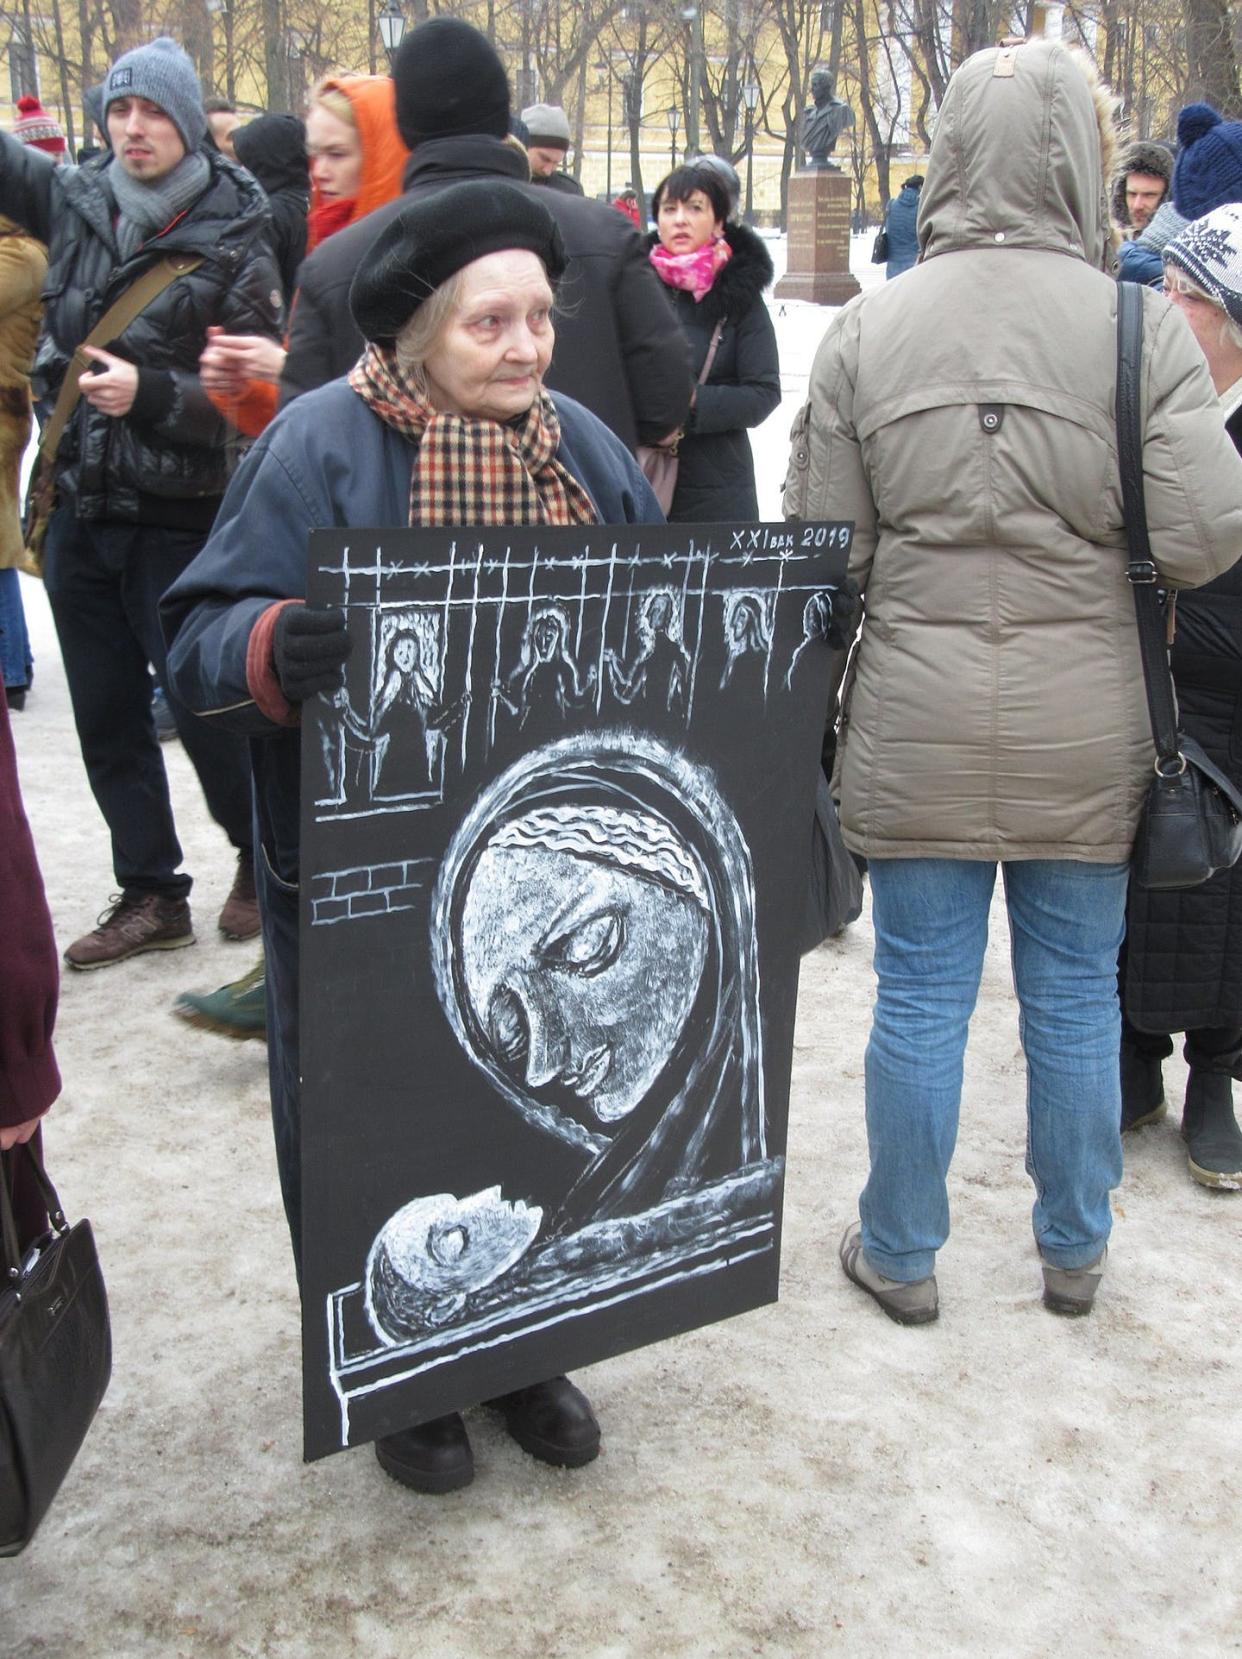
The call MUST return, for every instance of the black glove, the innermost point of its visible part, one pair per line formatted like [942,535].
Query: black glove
[839,612]
[310,648]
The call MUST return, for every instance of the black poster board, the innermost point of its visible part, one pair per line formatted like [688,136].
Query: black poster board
[555,833]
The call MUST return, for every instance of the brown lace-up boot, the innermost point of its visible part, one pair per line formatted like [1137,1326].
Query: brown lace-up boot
[133,923]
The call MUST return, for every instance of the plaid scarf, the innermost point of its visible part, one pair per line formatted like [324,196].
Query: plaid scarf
[471,471]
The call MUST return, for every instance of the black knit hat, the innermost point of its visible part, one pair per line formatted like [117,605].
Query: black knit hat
[431,239]
[449,81]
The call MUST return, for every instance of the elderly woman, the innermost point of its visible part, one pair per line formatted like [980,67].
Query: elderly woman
[995,715]
[1182,967]
[444,420]
[715,273]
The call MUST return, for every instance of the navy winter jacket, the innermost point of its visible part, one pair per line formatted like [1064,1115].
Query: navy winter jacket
[901,228]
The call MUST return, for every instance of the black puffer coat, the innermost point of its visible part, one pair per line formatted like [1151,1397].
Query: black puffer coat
[167,461]
[617,350]
[1184,950]
[716,471]
[273,148]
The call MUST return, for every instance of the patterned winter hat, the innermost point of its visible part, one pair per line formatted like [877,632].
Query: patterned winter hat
[34,126]
[1208,171]
[1210,253]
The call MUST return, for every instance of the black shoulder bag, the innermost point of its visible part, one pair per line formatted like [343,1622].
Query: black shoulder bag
[1191,825]
[55,1356]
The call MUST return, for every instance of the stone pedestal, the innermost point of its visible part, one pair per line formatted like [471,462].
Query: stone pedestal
[819,240]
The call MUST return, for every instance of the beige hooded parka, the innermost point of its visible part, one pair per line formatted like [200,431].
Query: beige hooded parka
[962,416]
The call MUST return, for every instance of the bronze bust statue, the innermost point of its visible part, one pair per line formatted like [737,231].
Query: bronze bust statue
[823,122]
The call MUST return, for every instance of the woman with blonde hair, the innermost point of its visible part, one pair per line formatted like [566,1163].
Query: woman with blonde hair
[357,158]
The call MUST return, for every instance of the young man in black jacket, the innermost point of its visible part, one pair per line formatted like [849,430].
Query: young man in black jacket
[619,350]
[143,460]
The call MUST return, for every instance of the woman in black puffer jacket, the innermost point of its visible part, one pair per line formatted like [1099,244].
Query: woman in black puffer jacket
[716,272]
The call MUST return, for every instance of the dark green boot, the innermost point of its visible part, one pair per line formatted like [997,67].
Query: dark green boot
[237,1010]
[1210,1130]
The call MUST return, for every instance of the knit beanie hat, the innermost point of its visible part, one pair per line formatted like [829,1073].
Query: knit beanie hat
[547,126]
[1210,253]
[432,238]
[34,126]
[162,74]
[1208,171]
[449,82]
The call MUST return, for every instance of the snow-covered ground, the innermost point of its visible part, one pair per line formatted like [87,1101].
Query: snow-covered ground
[807,1480]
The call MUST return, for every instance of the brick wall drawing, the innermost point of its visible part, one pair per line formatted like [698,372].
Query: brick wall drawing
[367,890]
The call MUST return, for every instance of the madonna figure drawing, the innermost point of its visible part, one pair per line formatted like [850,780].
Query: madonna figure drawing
[551,949]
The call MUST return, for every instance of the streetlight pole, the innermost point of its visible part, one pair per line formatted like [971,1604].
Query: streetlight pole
[674,121]
[607,68]
[390,21]
[750,97]
[691,13]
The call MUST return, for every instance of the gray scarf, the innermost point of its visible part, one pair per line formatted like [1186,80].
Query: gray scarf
[146,208]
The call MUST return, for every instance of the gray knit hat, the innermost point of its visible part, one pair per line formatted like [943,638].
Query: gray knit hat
[547,125]
[162,74]
[1209,250]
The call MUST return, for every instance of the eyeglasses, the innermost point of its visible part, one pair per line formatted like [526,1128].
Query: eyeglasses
[1180,288]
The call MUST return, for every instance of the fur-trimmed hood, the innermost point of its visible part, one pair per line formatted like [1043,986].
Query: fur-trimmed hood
[741,281]
[1139,157]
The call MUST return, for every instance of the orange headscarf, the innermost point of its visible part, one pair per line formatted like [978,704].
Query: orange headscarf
[384,156]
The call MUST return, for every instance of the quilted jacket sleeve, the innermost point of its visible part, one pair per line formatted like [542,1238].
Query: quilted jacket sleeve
[26,182]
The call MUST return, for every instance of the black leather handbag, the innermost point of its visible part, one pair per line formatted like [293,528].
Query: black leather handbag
[55,1356]
[1191,825]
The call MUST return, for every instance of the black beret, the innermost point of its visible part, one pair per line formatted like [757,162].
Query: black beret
[432,239]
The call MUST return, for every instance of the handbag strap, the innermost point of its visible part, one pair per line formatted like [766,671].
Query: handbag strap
[1141,569]
[711,352]
[12,1257]
[115,320]
[10,1253]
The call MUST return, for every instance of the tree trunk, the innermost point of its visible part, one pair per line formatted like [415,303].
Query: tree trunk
[1212,65]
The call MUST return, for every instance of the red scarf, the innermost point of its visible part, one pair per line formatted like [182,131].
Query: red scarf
[327,218]
[471,471]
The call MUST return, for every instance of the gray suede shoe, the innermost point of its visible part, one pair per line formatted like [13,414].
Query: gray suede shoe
[1071,1290]
[917,1303]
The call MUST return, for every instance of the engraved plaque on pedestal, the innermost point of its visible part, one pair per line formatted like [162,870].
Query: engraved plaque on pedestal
[818,266]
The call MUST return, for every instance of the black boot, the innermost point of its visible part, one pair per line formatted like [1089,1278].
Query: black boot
[435,1457]
[1210,1130]
[1142,1088]
[553,1421]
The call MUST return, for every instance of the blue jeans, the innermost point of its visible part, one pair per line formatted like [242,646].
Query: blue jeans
[930,917]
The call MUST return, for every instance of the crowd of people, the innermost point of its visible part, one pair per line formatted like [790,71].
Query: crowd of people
[209,313]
